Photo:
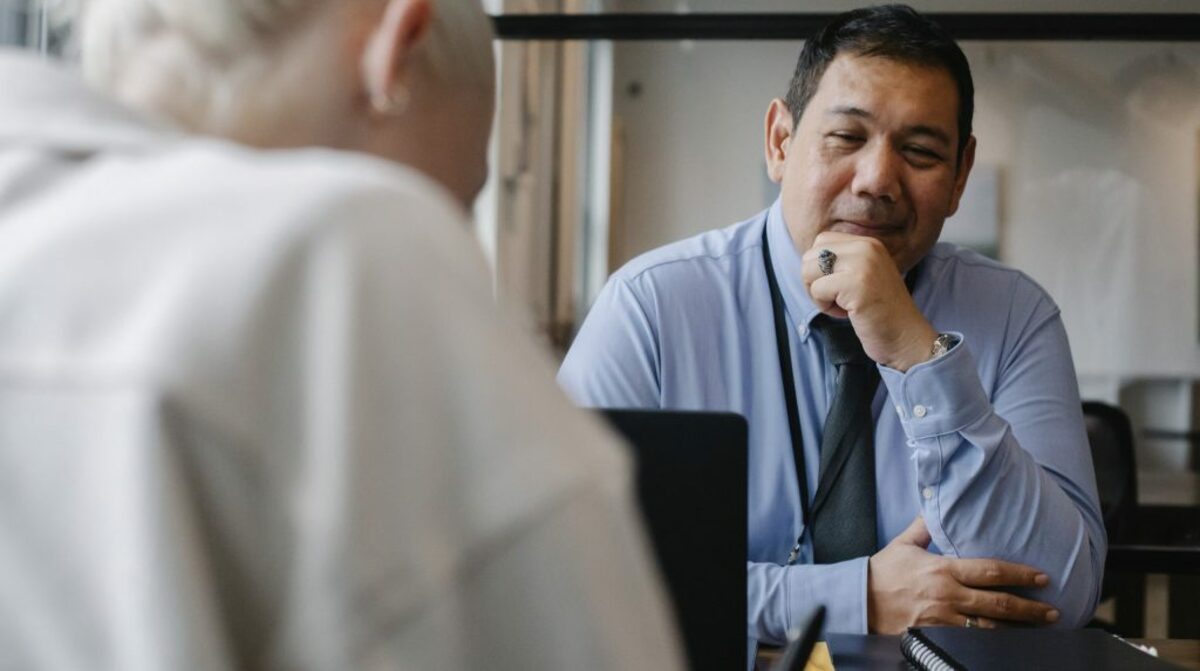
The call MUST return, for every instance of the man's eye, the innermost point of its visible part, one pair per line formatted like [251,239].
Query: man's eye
[922,155]
[845,138]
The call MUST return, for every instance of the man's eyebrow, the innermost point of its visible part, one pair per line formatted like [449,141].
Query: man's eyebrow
[850,110]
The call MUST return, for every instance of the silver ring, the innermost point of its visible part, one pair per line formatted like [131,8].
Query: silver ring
[825,259]
[972,622]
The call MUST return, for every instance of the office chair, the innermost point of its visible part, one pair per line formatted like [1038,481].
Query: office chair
[1110,436]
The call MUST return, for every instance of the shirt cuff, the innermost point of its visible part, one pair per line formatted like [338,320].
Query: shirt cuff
[841,588]
[939,396]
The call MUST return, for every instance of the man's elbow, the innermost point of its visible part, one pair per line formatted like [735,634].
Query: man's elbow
[1080,595]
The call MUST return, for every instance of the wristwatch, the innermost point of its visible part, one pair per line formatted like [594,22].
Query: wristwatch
[942,344]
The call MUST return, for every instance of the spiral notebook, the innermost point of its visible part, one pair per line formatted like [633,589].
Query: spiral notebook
[963,649]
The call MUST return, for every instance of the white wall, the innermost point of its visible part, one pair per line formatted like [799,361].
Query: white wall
[692,136]
[1100,144]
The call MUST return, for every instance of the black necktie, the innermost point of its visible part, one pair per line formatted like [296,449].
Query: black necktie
[843,509]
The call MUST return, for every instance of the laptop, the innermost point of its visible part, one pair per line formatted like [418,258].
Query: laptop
[691,484]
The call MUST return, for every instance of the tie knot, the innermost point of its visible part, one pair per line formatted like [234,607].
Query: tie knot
[841,342]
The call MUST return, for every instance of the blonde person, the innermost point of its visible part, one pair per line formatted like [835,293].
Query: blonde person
[257,409]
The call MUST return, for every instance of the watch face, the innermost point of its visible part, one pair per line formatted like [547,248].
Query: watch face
[942,344]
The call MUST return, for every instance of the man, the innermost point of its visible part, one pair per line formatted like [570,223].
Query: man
[925,395]
[257,408]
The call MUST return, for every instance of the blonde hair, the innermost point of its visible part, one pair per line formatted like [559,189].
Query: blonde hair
[183,58]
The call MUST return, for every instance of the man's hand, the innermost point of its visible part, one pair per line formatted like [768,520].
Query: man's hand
[909,586]
[867,287]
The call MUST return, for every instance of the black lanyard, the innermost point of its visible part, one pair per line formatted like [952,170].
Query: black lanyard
[784,348]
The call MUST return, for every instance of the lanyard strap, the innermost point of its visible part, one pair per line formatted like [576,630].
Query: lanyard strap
[784,348]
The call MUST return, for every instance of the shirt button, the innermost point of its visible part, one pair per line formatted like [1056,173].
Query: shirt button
[927,493]
[920,411]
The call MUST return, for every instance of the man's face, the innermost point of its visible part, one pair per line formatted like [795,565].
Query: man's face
[874,154]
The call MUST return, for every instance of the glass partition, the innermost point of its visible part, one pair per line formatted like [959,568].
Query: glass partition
[1087,179]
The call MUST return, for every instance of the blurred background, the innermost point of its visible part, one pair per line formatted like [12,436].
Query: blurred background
[1086,178]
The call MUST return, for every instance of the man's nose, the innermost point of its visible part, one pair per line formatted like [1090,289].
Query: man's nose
[877,174]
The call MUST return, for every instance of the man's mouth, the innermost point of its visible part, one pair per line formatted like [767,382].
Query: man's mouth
[870,228]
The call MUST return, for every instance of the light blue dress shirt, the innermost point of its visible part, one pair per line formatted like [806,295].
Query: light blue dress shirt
[986,442]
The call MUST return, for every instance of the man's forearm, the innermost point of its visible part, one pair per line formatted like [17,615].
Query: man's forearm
[995,500]
[779,597]
[985,495]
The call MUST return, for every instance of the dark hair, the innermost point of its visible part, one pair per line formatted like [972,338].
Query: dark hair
[895,32]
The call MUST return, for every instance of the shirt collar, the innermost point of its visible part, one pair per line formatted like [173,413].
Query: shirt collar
[788,265]
[46,104]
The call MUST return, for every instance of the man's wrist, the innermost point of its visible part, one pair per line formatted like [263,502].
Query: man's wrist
[918,351]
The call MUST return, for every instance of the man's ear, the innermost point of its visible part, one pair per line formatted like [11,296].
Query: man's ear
[964,171]
[401,29]
[778,131]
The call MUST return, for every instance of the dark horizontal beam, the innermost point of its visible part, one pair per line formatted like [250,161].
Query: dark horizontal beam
[1153,559]
[1166,434]
[964,26]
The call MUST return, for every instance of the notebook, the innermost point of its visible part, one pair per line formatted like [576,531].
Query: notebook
[963,649]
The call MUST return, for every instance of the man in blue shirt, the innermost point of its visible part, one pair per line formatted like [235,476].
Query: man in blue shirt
[980,481]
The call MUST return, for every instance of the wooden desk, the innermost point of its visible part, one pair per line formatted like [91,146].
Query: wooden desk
[882,653]
[1185,653]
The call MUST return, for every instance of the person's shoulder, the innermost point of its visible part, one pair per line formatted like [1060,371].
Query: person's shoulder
[288,201]
[307,183]
[712,255]
[984,278]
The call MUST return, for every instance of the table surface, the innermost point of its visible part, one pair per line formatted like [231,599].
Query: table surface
[882,653]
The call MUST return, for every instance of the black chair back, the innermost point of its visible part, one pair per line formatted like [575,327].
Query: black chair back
[1110,436]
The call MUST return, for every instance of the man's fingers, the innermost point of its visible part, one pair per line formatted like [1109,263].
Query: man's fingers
[984,623]
[810,270]
[960,620]
[996,573]
[847,248]
[825,238]
[826,291]
[1007,607]
[1001,605]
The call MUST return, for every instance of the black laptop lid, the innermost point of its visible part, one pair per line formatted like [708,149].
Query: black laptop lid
[691,483]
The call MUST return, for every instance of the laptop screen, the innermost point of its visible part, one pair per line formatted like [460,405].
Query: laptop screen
[691,483]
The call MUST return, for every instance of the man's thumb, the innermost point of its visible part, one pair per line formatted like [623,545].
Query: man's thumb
[916,534]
